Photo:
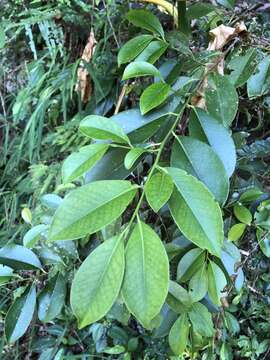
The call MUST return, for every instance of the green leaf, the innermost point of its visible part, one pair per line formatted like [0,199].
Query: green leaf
[201,320]
[178,298]
[231,323]
[117,349]
[198,284]
[100,127]
[227,3]
[242,214]
[178,336]
[34,235]
[242,67]
[264,242]
[158,190]
[250,195]
[52,299]
[195,212]
[132,156]
[216,282]
[258,84]
[133,48]
[153,96]
[51,201]
[140,68]
[78,163]
[198,10]
[146,279]
[19,257]
[139,128]
[145,20]
[206,128]
[226,352]
[2,37]
[20,314]
[89,208]
[152,52]
[6,273]
[236,231]
[189,264]
[221,99]
[97,282]
[110,167]
[198,159]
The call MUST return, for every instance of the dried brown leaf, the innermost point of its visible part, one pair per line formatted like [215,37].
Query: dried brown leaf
[221,36]
[84,86]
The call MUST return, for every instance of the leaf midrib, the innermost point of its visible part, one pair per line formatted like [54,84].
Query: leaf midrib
[186,202]
[107,264]
[96,208]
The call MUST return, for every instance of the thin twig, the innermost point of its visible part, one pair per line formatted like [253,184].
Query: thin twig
[120,99]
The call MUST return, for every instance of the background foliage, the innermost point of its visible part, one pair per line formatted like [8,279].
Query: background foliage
[41,45]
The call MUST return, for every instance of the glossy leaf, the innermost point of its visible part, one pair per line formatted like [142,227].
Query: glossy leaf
[201,320]
[198,10]
[140,68]
[97,282]
[195,212]
[90,208]
[19,257]
[100,127]
[146,279]
[227,3]
[20,314]
[52,299]
[178,336]
[264,242]
[242,67]
[76,164]
[236,231]
[206,128]
[139,128]
[189,264]
[158,190]
[133,48]
[51,201]
[221,99]
[178,298]
[152,52]
[199,160]
[258,84]
[198,284]
[145,20]
[34,235]
[110,167]
[250,195]
[216,282]
[242,214]
[153,96]
[6,273]
[132,156]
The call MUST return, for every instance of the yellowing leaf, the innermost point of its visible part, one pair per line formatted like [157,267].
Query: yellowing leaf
[26,215]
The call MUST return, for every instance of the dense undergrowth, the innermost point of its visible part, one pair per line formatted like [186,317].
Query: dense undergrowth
[42,107]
